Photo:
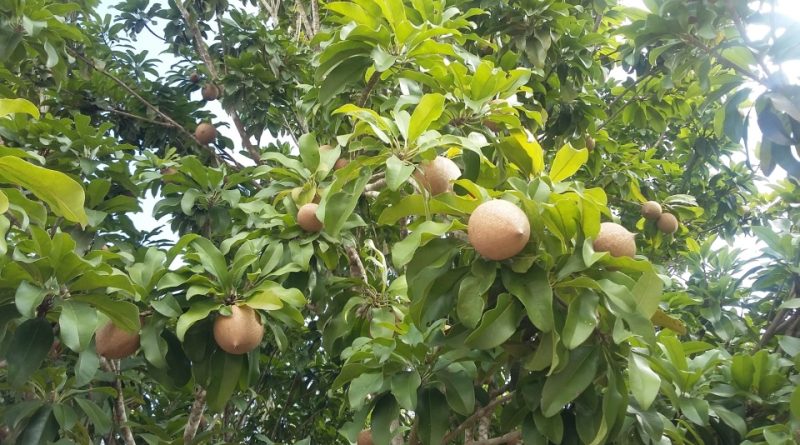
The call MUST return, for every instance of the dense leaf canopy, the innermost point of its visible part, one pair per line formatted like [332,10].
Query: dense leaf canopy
[394,318]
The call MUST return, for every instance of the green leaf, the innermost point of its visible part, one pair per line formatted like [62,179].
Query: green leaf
[397,172]
[362,386]
[647,292]
[696,410]
[525,154]
[77,324]
[404,387]
[471,302]
[199,310]
[64,196]
[3,202]
[567,162]
[28,297]
[29,347]
[430,107]
[403,251]
[644,382]
[498,324]
[434,416]
[733,420]
[13,106]
[309,151]
[213,261]
[533,290]
[225,371]
[385,411]
[794,404]
[459,391]
[267,296]
[153,345]
[124,314]
[41,429]
[86,366]
[99,417]
[581,319]
[565,386]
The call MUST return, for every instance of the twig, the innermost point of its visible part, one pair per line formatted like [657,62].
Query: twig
[152,107]
[289,400]
[480,413]
[376,186]
[303,17]
[141,118]
[202,50]
[511,437]
[772,328]
[373,80]
[356,266]
[618,98]
[120,414]
[195,415]
[738,21]
[315,16]
[722,59]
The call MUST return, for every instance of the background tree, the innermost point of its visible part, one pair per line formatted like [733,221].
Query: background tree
[410,235]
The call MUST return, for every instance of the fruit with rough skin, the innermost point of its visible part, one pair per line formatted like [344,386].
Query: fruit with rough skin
[210,92]
[240,332]
[436,176]
[616,240]
[498,229]
[365,438]
[205,133]
[307,218]
[115,343]
[340,163]
[667,223]
[651,210]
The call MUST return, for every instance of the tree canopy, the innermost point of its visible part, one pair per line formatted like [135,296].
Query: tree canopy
[407,240]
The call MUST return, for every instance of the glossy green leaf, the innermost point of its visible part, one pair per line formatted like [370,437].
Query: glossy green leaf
[404,387]
[199,310]
[124,314]
[3,202]
[77,324]
[99,417]
[567,162]
[566,385]
[225,371]
[386,410]
[397,172]
[430,107]
[13,106]
[498,324]
[64,196]
[433,416]
[581,319]
[644,382]
[471,301]
[533,290]
[28,348]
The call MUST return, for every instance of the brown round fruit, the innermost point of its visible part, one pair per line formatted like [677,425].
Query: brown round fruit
[340,163]
[667,223]
[498,229]
[651,210]
[239,333]
[210,92]
[194,78]
[365,438]
[590,143]
[115,343]
[616,240]
[307,218]
[436,176]
[205,133]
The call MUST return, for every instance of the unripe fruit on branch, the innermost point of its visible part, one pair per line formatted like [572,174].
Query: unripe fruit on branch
[210,92]
[436,176]
[616,240]
[307,218]
[115,343]
[340,163]
[205,133]
[590,143]
[194,78]
[651,210]
[498,229]
[667,223]
[239,333]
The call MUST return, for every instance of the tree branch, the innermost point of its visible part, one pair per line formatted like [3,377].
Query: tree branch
[303,17]
[202,51]
[120,414]
[141,118]
[722,59]
[739,22]
[511,437]
[153,108]
[480,413]
[356,266]
[373,80]
[195,415]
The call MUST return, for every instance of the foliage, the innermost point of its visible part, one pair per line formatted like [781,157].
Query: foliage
[576,111]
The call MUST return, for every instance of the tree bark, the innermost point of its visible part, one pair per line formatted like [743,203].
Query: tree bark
[195,415]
